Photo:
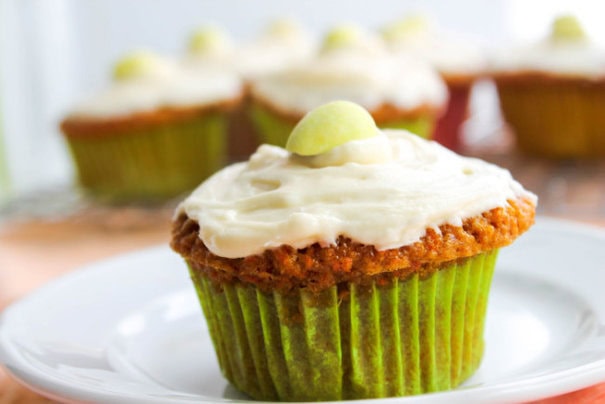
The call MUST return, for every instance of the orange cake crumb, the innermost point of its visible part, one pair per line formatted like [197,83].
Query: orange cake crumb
[317,268]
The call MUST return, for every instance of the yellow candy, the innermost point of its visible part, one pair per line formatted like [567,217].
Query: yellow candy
[134,65]
[330,125]
[567,27]
[341,37]
[412,25]
[208,40]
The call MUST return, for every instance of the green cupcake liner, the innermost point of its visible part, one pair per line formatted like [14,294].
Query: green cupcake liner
[351,341]
[273,129]
[270,128]
[151,164]
[422,126]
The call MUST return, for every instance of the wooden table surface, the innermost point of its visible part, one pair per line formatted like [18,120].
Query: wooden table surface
[33,251]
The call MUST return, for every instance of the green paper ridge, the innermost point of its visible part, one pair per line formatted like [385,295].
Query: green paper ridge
[407,337]
[150,164]
[275,130]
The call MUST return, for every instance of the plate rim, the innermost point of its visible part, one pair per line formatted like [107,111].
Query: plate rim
[568,380]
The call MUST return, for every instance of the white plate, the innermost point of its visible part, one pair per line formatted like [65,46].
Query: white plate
[130,330]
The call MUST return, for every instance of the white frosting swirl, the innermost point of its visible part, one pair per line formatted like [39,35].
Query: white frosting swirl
[172,85]
[574,58]
[383,191]
[368,81]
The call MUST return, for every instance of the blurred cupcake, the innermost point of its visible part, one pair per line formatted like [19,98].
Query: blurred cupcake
[355,264]
[155,133]
[352,65]
[282,44]
[459,60]
[552,93]
[212,48]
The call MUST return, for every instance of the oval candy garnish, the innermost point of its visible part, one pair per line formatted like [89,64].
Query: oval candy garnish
[330,125]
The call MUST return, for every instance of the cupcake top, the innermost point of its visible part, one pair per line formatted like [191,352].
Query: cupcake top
[342,176]
[210,46]
[450,54]
[283,43]
[145,82]
[566,51]
[351,39]
[355,66]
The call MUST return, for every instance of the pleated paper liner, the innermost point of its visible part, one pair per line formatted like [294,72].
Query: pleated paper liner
[555,120]
[274,129]
[351,341]
[152,164]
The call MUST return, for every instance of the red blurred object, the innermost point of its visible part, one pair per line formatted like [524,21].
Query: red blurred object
[593,394]
[448,128]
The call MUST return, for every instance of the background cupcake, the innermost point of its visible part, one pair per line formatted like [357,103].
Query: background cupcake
[552,93]
[459,60]
[352,65]
[212,47]
[355,265]
[156,132]
[282,43]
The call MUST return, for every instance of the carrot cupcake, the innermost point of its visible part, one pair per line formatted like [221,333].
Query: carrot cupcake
[282,44]
[155,133]
[356,263]
[460,61]
[355,66]
[552,93]
[212,47]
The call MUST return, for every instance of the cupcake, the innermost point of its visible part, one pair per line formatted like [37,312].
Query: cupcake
[355,263]
[552,93]
[282,44]
[212,47]
[459,61]
[352,65]
[155,133]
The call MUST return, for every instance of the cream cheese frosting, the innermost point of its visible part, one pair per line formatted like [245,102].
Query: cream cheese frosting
[210,47]
[368,81]
[284,43]
[577,58]
[168,85]
[449,53]
[566,51]
[383,191]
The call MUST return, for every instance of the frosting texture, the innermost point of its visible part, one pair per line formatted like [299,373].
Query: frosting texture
[566,51]
[383,191]
[576,58]
[283,44]
[368,80]
[169,85]
[448,53]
